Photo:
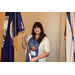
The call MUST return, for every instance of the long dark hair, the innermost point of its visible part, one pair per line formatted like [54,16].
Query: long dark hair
[42,34]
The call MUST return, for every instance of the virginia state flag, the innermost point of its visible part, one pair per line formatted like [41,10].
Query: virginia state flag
[9,34]
[69,39]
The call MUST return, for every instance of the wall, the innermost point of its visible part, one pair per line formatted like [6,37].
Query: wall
[2,15]
[0,35]
[62,40]
[51,22]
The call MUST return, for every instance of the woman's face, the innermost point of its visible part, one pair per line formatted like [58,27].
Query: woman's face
[37,30]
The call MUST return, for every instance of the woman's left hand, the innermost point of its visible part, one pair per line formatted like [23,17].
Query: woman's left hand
[33,59]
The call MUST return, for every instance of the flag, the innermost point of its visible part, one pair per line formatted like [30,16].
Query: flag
[7,54]
[69,38]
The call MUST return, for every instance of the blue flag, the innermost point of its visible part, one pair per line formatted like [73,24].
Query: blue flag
[19,23]
[8,35]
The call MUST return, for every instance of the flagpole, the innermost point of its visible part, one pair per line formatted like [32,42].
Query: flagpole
[27,45]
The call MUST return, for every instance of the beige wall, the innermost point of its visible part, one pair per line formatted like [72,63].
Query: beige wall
[62,41]
[2,15]
[0,34]
[52,23]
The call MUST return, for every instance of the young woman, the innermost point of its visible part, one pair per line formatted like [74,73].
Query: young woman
[38,44]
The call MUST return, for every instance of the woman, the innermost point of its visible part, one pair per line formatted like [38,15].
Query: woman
[38,44]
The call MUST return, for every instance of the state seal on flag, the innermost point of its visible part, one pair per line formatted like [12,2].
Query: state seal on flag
[11,31]
[5,29]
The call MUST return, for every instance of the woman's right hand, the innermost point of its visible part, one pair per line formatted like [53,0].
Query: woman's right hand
[23,41]
[23,36]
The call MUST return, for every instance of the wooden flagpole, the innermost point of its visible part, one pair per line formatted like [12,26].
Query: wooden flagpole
[27,45]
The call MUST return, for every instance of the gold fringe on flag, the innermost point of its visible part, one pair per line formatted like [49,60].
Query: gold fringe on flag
[15,38]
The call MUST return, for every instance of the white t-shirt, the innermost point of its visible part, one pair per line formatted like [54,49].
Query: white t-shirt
[44,46]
